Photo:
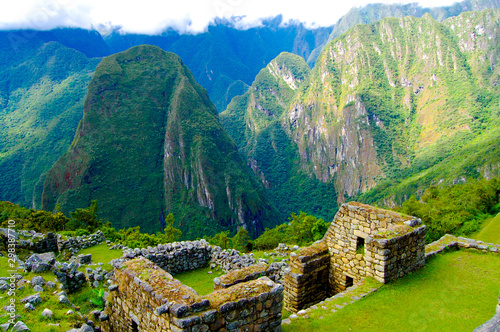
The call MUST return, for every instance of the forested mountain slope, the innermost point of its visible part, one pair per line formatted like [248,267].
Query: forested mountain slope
[387,103]
[150,140]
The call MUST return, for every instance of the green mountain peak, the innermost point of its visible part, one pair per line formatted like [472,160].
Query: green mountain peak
[150,140]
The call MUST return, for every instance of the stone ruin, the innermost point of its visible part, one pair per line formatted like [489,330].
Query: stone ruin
[362,241]
[145,297]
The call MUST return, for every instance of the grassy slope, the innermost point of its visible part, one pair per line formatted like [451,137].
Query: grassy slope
[491,231]
[453,292]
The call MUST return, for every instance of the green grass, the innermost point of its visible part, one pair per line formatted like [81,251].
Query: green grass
[33,319]
[491,231]
[102,253]
[456,291]
[200,280]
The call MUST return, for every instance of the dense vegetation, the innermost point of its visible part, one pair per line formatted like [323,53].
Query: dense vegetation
[458,210]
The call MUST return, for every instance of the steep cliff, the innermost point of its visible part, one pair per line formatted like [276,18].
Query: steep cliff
[256,123]
[150,139]
[393,98]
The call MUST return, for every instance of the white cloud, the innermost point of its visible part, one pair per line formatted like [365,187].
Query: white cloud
[186,16]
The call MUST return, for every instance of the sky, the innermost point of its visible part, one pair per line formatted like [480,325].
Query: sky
[185,16]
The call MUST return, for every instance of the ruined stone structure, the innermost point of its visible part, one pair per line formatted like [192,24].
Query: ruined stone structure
[147,298]
[362,241]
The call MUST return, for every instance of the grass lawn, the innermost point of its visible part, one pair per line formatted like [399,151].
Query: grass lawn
[200,280]
[101,253]
[491,231]
[455,291]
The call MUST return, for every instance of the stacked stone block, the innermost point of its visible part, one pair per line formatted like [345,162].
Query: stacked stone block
[362,241]
[77,243]
[307,281]
[393,245]
[147,298]
[176,257]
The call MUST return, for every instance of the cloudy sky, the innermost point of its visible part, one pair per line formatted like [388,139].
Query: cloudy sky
[186,16]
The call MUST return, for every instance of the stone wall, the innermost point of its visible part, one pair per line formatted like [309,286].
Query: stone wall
[176,257]
[307,281]
[147,298]
[77,243]
[362,241]
[365,241]
[38,242]
[41,243]
[273,271]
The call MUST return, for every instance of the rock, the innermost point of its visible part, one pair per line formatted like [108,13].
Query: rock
[63,299]
[33,299]
[37,280]
[4,327]
[70,312]
[29,306]
[40,262]
[86,328]
[20,326]
[38,288]
[50,284]
[47,313]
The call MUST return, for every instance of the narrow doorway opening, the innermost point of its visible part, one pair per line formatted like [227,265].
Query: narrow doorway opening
[134,327]
[348,281]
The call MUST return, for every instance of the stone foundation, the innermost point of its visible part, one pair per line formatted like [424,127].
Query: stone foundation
[147,298]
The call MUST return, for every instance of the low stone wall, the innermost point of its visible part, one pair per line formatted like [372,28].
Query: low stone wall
[452,242]
[147,298]
[38,243]
[176,257]
[77,243]
[307,281]
[274,271]
[389,259]
[231,259]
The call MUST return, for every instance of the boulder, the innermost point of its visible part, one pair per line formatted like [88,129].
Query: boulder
[40,262]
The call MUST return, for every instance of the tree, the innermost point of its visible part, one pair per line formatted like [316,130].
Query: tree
[86,218]
[241,240]
[221,239]
[171,234]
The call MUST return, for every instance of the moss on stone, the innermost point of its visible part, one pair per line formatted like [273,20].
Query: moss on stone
[161,281]
[239,291]
[240,274]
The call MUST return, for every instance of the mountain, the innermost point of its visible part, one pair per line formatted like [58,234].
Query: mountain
[255,121]
[41,96]
[225,59]
[150,140]
[372,13]
[390,108]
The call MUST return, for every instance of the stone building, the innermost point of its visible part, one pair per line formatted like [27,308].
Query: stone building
[144,297]
[362,241]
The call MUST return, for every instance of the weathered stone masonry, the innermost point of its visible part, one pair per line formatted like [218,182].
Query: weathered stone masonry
[362,241]
[147,298]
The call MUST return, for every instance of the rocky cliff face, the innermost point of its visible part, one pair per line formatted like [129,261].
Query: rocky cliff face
[385,102]
[383,95]
[150,139]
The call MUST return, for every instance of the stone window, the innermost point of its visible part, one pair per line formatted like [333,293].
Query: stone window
[360,245]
